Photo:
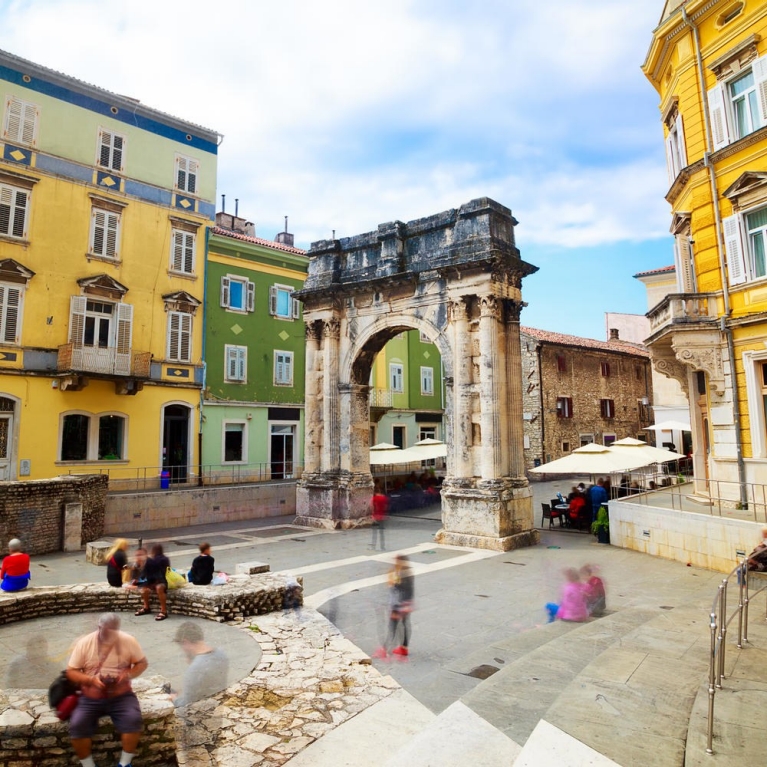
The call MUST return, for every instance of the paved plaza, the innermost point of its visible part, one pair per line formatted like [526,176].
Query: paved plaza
[484,661]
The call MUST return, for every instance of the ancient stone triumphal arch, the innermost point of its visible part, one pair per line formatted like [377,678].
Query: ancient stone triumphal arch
[455,276]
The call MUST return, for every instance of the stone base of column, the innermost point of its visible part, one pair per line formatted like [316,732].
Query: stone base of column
[334,501]
[487,514]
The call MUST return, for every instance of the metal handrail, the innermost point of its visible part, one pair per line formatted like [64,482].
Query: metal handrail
[719,621]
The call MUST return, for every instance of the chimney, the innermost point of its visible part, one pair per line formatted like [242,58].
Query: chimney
[614,334]
[285,238]
[235,224]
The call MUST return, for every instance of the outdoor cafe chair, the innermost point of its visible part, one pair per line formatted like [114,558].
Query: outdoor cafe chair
[550,514]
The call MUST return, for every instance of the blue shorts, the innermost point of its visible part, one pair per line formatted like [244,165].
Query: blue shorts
[124,711]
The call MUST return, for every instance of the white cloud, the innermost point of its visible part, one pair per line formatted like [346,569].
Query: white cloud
[345,114]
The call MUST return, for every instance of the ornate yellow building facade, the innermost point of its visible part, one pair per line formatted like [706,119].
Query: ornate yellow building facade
[708,62]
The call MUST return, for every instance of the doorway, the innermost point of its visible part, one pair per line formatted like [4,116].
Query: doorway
[281,452]
[175,442]
[7,459]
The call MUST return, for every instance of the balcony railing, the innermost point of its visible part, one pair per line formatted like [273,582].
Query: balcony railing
[107,361]
[380,397]
[682,308]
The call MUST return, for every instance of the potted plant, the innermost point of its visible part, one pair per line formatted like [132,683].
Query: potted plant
[601,525]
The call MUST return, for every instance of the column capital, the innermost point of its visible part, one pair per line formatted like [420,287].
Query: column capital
[488,306]
[312,331]
[458,309]
[331,328]
[512,310]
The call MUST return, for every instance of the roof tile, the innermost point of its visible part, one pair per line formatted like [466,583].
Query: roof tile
[622,347]
[257,240]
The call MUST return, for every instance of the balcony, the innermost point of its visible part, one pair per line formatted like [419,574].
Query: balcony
[682,309]
[107,361]
[380,401]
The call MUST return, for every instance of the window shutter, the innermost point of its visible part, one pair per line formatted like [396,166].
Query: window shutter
[124,328]
[185,352]
[680,143]
[670,158]
[242,364]
[19,213]
[6,203]
[13,120]
[99,227]
[289,369]
[112,224]
[273,300]
[225,291]
[718,116]
[191,179]
[685,272]
[736,267]
[296,307]
[182,259]
[181,173]
[77,306]
[28,121]
[278,368]
[759,68]
[105,149]
[231,363]
[251,296]
[10,299]
[173,335]
[117,153]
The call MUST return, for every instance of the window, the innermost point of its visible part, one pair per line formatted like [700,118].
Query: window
[586,439]
[283,368]
[111,150]
[605,369]
[105,233]
[236,364]
[396,377]
[607,408]
[186,174]
[10,314]
[745,242]
[93,438]
[234,442]
[20,121]
[97,327]
[238,294]
[14,211]
[179,337]
[427,381]
[561,363]
[281,302]
[676,152]
[565,447]
[738,106]
[427,432]
[608,439]
[182,251]
[564,407]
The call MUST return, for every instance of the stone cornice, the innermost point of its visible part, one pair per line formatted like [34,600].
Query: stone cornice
[681,180]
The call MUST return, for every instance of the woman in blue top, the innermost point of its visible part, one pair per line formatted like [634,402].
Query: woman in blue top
[154,571]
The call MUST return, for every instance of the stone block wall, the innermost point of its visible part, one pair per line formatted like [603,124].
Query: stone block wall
[30,733]
[33,511]
[531,404]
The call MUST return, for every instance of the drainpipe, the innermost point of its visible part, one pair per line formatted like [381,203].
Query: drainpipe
[200,480]
[722,267]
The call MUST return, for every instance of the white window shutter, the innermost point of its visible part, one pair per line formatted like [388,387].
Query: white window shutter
[191,179]
[181,173]
[77,306]
[189,248]
[105,148]
[736,267]
[759,68]
[225,291]
[118,147]
[718,115]
[124,328]
[681,147]
[231,363]
[177,256]
[296,307]
[13,110]
[289,369]
[112,227]
[28,122]
[273,300]
[185,352]
[278,368]
[251,296]
[10,299]
[670,158]
[242,363]
[173,335]
[6,209]
[685,269]
[98,231]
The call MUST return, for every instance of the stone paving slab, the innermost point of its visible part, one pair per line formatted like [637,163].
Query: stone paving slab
[548,745]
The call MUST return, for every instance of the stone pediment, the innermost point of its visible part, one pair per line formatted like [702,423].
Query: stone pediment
[181,301]
[13,271]
[103,285]
[748,189]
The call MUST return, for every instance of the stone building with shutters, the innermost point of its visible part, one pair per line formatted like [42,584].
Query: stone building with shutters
[104,203]
[708,63]
[580,390]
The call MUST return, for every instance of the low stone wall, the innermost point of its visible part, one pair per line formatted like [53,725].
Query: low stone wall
[243,596]
[53,514]
[136,512]
[30,733]
[703,540]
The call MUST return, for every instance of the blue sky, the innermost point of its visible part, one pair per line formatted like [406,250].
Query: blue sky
[344,114]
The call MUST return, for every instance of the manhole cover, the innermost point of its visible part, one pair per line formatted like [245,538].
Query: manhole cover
[483,671]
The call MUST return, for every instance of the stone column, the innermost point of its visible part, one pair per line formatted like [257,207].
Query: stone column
[490,403]
[461,390]
[331,332]
[355,428]
[313,420]
[515,438]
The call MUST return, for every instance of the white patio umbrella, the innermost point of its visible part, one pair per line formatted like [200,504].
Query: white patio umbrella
[428,448]
[643,453]
[669,426]
[592,459]
[384,453]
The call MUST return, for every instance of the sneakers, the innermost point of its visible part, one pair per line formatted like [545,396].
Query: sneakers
[401,650]
[380,653]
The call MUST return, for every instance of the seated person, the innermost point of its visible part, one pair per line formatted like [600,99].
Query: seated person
[203,566]
[14,572]
[757,559]
[576,511]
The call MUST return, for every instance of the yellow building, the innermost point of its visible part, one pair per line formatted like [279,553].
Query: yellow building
[104,205]
[708,62]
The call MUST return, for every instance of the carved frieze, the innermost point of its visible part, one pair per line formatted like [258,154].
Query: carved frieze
[702,351]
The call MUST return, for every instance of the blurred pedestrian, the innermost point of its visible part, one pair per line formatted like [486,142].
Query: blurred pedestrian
[203,566]
[573,604]
[14,572]
[35,669]
[598,496]
[594,589]
[154,570]
[401,590]
[117,560]
[379,510]
[757,559]
[103,663]
[208,669]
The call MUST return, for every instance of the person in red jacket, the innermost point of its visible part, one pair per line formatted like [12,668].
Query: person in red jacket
[379,510]
[14,572]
